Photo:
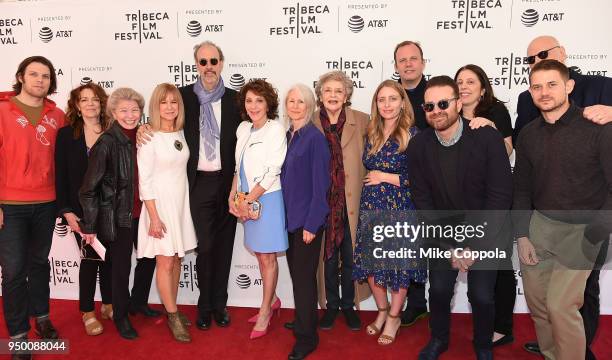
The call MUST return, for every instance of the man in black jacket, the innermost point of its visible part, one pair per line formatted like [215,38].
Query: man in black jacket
[211,119]
[453,167]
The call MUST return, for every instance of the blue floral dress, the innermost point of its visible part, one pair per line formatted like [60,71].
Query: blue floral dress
[386,197]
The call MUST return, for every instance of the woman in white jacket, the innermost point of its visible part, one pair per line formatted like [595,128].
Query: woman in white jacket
[260,152]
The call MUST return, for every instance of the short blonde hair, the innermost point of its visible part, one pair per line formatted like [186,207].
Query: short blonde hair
[336,75]
[160,93]
[307,97]
[120,94]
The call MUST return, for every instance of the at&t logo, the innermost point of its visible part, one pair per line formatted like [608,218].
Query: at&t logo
[356,23]
[194,28]
[243,281]
[46,34]
[108,84]
[471,15]
[302,19]
[237,81]
[530,17]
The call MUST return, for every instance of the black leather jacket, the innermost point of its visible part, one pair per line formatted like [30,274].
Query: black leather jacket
[107,192]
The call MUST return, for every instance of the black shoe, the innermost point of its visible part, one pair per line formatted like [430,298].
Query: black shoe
[411,315]
[433,350]
[204,321]
[21,356]
[145,310]
[484,354]
[298,355]
[328,318]
[289,325]
[352,319]
[506,339]
[126,331]
[45,330]
[222,318]
[533,348]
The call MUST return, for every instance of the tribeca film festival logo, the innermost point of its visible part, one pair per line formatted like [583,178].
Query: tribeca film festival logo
[8,30]
[48,32]
[143,26]
[513,71]
[62,271]
[96,75]
[530,17]
[183,73]
[301,20]
[471,15]
[189,277]
[352,68]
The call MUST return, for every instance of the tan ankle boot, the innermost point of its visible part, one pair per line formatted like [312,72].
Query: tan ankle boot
[178,329]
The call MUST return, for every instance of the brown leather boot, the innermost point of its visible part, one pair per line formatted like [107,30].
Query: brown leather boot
[178,329]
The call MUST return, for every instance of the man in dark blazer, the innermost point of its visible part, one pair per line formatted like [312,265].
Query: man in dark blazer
[593,93]
[453,167]
[211,119]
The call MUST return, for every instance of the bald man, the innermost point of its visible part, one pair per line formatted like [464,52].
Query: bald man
[594,94]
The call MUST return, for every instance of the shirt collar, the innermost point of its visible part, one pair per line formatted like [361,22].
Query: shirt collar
[566,118]
[456,137]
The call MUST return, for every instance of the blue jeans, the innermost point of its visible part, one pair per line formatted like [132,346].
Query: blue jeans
[25,242]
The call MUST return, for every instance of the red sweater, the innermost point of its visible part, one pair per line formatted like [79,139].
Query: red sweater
[27,166]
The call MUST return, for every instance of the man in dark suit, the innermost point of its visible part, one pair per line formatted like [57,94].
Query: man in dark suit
[465,171]
[594,94]
[211,120]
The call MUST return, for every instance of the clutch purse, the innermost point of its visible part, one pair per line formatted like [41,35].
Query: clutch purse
[254,207]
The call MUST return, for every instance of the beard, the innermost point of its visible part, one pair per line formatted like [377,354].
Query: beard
[549,104]
[442,121]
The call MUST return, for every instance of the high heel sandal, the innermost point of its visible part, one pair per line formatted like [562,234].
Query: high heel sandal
[256,334]
[388,339]
[92,326]
[276,307]
[107,311]
[372,329]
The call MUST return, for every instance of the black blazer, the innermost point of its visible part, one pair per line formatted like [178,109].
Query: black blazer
[483,176]
[230,119]
[70,167]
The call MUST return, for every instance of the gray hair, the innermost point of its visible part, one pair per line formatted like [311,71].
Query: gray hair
[120,94]
[308,98]
[336,75]
[207,43]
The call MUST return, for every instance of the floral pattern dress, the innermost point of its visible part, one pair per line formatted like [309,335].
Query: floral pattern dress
[388,198]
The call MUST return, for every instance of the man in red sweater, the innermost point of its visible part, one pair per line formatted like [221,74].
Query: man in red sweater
[28,126]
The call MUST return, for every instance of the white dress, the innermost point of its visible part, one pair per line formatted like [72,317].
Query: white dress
[162,175]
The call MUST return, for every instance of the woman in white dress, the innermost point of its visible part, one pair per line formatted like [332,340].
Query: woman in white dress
[166,229]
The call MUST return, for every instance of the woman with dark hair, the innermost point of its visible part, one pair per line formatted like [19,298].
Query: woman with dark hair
[256,197]
[86,122]
[480,105]
[482,108]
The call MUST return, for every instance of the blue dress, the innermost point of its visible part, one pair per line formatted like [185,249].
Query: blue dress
[268,234]
[392,199]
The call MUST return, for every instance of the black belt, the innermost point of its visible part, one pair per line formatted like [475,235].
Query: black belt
[209,173]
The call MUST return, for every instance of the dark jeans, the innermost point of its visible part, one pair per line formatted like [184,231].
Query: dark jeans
[481,293]
[505,297]
[303,260]
[215,229]
[25,242]
[121,258]
[88,277]
[339,272]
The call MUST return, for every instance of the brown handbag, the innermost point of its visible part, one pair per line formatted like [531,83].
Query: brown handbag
[254,207]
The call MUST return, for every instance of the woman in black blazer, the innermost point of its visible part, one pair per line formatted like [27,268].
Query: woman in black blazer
[87,120]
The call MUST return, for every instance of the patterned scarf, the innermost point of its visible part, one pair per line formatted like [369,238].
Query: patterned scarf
[334,234]
[209,129]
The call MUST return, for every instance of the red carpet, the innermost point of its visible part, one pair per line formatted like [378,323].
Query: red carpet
[233,342]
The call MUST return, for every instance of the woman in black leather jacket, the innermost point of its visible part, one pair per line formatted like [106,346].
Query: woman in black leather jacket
[111,206]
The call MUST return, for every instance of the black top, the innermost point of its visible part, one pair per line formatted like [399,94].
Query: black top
[562,166]
[498,113]
[70,167]
[449,156]
[417,98]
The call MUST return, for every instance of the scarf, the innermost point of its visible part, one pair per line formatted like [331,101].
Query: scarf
[334,234]
[209,129]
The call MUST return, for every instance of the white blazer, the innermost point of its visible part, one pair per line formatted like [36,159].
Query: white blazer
[267,147]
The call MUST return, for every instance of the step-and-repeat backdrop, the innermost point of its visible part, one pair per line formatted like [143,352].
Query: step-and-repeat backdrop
[142,43]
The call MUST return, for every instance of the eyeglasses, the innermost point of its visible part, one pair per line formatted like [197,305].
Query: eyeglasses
[442,105]
[213,61]
[541,55]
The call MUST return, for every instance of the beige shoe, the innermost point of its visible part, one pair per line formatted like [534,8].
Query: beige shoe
[107,311]
[178,329]
[92,325]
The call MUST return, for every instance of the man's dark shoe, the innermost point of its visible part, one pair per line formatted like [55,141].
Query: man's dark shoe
[125,329]
[328,318]
[506,339]
[45,330]
[204,321]
[145,310]
[433,350]
[411,315]
[533,348]
[352,319]
[298,355]
[21,356]
[222,318]
[484,354]
[289,325]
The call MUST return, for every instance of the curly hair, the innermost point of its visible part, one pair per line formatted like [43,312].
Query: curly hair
[261,88]
[335,75]
[73,114]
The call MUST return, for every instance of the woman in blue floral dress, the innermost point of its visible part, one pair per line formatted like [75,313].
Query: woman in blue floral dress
[387,189]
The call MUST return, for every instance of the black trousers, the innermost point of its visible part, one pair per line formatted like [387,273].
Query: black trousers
[416,295]
[303,260]
[121,258]
[215,228]
[481,293]
[88,278]
[339,273]
[505,297]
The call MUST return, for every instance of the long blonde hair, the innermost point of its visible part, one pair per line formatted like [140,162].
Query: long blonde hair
[405,121]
